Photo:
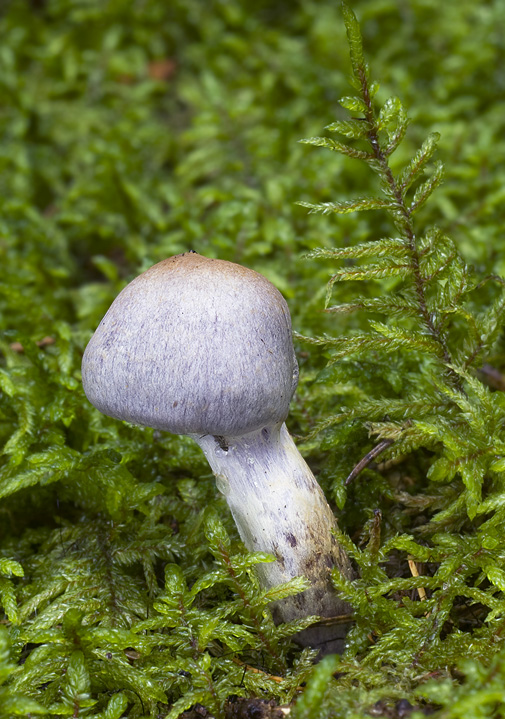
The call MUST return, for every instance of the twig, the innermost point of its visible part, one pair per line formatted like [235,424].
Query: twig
[363,463]
[249,668]
[415,573]
[329,621]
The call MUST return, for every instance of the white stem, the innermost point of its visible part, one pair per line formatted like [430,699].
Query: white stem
[279,508]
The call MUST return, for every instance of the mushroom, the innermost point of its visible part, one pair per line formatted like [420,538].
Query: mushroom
[203,347]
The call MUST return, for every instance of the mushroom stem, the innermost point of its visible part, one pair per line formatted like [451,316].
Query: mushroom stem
[279,508]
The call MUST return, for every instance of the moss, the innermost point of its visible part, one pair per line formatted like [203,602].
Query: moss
[131,131]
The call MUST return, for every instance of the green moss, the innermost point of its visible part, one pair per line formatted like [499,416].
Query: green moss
[130,131]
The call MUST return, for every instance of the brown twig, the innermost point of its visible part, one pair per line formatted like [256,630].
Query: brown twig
[415,573]
[363,463]
[329,621]
[249,668]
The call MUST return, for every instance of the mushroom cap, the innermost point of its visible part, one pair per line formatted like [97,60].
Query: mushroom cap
[194,346]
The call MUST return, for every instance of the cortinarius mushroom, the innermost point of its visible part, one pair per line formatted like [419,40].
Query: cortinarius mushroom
[203,347]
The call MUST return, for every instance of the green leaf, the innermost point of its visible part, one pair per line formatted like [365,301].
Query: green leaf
[116,707]
[364,344]
[496,576]
[175,584]
[288,589]
[355,129]
[347,206]
[8,600]
[19,705]
[309,704]
[371,272]
[407,339]
[389,247]
[359,66]
[76,686]
[498,465]
[472,471]
[336,146]
[413,170]
[393,119]
[353,104]
[384,305]
[46,467]
[6,384]
[442,469]
[424,191]
[10,567]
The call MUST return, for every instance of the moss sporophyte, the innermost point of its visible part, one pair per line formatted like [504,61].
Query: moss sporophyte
[203,347]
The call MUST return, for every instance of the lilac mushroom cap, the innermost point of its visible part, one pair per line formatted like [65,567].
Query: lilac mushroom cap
[194,346]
